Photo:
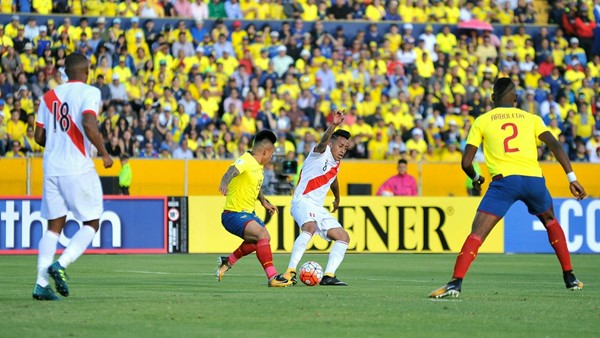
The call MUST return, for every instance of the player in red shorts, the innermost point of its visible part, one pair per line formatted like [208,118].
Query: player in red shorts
[509,136]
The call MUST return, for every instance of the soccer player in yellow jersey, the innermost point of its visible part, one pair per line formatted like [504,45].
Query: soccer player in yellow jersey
[509,137]
[241,184]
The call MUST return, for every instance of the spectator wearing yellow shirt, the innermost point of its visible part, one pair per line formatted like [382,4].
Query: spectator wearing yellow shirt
[425,67]
[93,7]
[29,60]
[15,128]
[417,143]
[362,130]
[583,123]
[450,153]
[127,8]
[250,9]
[310,11]
[111,8]
[122,70]
[415,89]
[446,40]
[375,11]
[210,105]
[377,148]
[452,12]
[12,28]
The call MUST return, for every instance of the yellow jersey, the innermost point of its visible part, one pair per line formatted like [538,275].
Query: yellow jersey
[509,137]
[244,188]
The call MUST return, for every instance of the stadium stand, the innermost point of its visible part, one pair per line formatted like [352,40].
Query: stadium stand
[412,76]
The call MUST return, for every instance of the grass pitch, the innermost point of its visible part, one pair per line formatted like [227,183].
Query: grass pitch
[178,296]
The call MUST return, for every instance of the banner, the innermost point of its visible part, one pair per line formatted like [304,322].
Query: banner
[375,224]
[580,221]
[127,225]
[177,224]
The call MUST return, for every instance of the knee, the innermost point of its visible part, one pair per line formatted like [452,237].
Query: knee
[264,234]
[309,227]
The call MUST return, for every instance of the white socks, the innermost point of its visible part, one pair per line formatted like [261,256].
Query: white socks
[336,256]
[46,250]
[299,248]
[77,246]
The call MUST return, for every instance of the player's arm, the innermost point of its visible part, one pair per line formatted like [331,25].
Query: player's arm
[265,203]
[335,189]
[467,166]
[40,135]
[338,118]
[561,156]
[229,175]
[90,127]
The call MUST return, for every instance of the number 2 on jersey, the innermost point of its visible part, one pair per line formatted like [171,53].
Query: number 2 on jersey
[61,114]
[515,132]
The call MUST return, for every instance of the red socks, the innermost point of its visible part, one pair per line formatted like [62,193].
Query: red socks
[556,236]
[467,255]
[244,249]
[264,255]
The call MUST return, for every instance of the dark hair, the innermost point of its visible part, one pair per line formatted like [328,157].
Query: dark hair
[340,133]
[403,161]
[73,63]
[263,135]
[503,86]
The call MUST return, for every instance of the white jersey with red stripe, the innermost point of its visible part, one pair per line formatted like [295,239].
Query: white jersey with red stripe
[317,174]
[68,150]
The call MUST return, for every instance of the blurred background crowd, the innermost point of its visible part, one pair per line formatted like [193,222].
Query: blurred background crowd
[411,82]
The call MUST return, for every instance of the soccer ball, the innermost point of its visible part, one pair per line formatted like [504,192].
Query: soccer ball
[311,273]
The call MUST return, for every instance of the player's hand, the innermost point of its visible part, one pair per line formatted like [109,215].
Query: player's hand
[107,161]
[477,184]
[270,207]
[577,190]
[338,117]
[336,204]
[223,189]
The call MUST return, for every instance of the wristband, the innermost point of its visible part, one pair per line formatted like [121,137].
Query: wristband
[571,176]
[476,178]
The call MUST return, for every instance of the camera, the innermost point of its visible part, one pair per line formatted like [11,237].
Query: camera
[284,170]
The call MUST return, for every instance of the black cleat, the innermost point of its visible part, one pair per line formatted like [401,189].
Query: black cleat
[331,280]
[571,282]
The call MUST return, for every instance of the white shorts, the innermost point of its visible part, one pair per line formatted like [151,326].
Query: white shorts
[303,211]
[80,194]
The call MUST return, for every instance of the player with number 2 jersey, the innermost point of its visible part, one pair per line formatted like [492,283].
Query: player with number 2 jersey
[509,137]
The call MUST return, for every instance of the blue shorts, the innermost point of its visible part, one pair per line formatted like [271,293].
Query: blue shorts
[504,192]
[235,222]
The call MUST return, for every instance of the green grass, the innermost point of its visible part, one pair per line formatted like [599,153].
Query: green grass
[177,295]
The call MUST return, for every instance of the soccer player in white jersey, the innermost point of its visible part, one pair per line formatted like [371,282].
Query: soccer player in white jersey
[318,175]
[67,127]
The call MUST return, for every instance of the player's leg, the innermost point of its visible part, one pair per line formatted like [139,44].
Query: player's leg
[494,205]
[235,223]
[83,194]
[54,208]
[304,214]
[539,203]
[255,232]
[300,244]
[341,239]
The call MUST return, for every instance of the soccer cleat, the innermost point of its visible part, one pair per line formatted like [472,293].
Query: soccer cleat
[290,274]
[332,280]
[571,282]
[222,267]
[451,289]
[58,273]
[40,293]
[278,281]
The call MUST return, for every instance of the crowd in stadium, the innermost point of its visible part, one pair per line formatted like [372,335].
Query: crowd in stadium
[202,88]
